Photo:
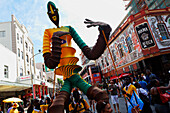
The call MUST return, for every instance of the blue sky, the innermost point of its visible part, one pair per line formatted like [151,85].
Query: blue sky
[33,15]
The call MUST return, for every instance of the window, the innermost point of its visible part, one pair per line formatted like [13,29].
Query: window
[21,40]
[2,33]
[18,52]
[21,71]
[107,63]
[163,31]
[28,73]
[22,55]
[120,50]
[102,63]
[27,58]
[17,36]
[129,44]
[113,53]
[5,71]
[26,45]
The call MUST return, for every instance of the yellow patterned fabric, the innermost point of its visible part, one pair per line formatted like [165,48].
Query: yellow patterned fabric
[67,66]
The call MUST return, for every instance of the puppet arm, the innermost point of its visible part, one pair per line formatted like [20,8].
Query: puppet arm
[100,45]
[51,58]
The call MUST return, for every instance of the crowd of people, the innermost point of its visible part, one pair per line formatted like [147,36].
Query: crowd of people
[147,86]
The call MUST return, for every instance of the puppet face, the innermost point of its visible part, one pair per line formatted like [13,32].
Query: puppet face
[53,13]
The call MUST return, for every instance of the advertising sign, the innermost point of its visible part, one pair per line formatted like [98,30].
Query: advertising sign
[97,78]
[144,35]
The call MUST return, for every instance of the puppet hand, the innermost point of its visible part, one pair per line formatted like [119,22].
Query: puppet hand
[60,33]
[102,25]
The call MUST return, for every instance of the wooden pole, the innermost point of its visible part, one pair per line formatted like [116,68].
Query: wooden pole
[110,52]
[54,82]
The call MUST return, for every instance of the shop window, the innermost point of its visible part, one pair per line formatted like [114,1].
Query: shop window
[163,31]
[129,44]
[6,71]
[2,33]
[120,50]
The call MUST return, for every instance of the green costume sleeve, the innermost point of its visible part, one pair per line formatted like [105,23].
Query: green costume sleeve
[76,38]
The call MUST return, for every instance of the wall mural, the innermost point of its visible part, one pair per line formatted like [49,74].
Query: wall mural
[124,49]
[160,26]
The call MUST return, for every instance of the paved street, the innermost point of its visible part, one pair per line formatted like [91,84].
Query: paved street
[122,105]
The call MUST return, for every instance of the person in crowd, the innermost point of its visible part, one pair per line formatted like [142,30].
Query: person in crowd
[37,108]
[20,108]
[113,88]
[10,107]
[143,94]
[30,107]
[120,85]
[143,76]
[48,102]
[42,101]
[150,76]
[159,106]
[129,87]
[143,83]
[14,108]
[79,105]
[103,107]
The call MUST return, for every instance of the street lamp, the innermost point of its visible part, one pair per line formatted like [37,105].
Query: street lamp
[32,82]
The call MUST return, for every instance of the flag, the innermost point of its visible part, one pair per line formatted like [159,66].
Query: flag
[134,101]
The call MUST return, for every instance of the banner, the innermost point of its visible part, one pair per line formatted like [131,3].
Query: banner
[134,101]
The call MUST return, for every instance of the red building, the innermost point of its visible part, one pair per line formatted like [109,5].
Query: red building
[141,41]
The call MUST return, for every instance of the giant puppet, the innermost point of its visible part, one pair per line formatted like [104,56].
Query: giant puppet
[58,52]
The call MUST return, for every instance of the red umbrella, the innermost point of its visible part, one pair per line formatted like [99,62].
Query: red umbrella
[28,94]
[125,74]
[113,77]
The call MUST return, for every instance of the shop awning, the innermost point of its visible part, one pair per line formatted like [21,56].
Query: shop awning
[6,86]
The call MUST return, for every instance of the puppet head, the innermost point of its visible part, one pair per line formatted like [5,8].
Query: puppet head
[53,13]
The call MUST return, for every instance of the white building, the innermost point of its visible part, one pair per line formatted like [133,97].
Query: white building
[14,36]
[8,73]
[17,65]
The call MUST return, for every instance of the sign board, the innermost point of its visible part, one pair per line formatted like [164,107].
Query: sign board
[145,36]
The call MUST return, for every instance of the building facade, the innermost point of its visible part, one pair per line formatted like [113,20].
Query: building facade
[20,76]
[141,41]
